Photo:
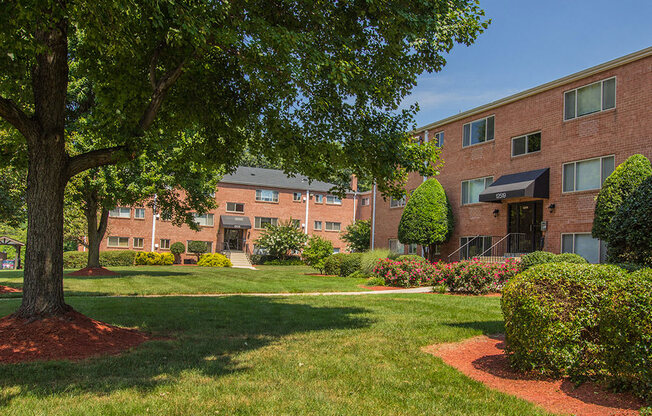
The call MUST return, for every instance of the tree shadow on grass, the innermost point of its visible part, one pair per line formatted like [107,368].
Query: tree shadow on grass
[194,334]
[130,273]
[487,327]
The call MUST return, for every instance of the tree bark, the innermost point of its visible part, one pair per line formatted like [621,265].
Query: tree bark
[95,231]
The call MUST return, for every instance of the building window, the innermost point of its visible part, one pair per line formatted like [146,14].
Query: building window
[396,203]
[139,213]
[296,196]
[530,143]
[262,222]
[265,195]
[204,220]
[120,212]
[471,189]
[209,245]
[474,246]
[235,207]
[139,242]
[333,200]
[412,249]
[164,243]
[336,250]
[439,139]
[319,199]
[333,226]
[592,98]
[583,244]
[317,226]
[396,246]
[296,223]
[478,131]
[364,202]
[122,242]
[587,174]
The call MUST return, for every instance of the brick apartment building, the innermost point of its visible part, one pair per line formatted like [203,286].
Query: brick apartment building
[522,173]
[247,200]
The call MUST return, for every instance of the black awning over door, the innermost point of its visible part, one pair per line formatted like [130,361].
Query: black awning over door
[533,184]
[234,221]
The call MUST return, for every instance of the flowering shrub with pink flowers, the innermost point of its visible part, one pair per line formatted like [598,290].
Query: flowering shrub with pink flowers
[404,273]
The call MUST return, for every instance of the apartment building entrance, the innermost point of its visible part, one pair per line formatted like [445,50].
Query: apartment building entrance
[524,225]
[234,239]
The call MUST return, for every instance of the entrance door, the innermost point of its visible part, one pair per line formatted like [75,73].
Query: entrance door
[233,238]
[525,224]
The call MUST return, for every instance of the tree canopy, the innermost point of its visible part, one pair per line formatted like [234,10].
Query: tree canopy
[358,235]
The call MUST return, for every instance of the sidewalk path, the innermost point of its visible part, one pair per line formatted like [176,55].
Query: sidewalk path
[216,295]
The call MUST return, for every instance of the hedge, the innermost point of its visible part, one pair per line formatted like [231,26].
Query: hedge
[541,257]
[109,258]
[267,259]
[342,264]
[214,260]
[630,230]
[151,258]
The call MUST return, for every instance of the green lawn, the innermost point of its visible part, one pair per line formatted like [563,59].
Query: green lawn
[335,355]
[150,280]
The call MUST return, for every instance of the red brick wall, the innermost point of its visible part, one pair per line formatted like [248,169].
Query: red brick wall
[622,132]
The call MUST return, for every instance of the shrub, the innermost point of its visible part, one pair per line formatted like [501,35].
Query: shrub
[357,235]
[177,249]
[350,264]
[413,257]
[197,248]
[333,264]
[427,218]
[359,274]
[615,190]
[474,277]
[569,258]
[551,317]
[535,258]
[375,281]
[113,258]
[316,252]
[150,258]
[290,261]
[630,238]
[282,238]
[369,259]
[406,273]
[214,260]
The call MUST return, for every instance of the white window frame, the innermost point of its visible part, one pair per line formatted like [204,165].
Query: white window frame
[469,180]
[400,247]
[296,196]
[319,198]
[470,124]
[364,201]
[602,109]
[397,203]
[108,242]
[235,204]
[258,225]
[208,219]
[334,200]
[260,198]
[316,227]
[136,211]
[163,246]
[332,226]
[575,162]
[120,212]
[439,138]
[526,136]
[142,242]
[411,248]
[601,247]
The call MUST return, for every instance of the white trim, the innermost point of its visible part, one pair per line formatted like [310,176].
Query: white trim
[485,131]
[526,144]
[575,173]
[602,109]
[469,180]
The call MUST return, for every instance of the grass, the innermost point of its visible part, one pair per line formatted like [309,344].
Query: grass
[165,280]
[330,355]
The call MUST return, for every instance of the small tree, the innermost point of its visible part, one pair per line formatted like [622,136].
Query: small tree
[616,189]
[197,248]
[427,218]
[316,252]
[177,249]
[630,231]
[358,235]
[282,238]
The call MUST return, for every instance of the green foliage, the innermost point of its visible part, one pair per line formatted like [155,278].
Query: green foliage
[404,273]
[350,264]
[370,258]
[375,281]
[569,258]
[177,248]
[615,190]
[631,229]
[333,264]
[541,257]
[109,258]
[427,217]
[197,248]
[316,252]
[358,235]
[214,260]
[281,239]
[412,257]
[474,277]
[151,258]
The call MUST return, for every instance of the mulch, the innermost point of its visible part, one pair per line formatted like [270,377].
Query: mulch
[7,289]
[381,287]
[483,359]
[93,271]
[71,336]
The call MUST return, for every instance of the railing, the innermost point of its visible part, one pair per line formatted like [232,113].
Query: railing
[507,246]
[227,249]
[466,245]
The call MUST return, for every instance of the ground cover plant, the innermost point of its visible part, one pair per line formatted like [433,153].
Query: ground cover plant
[541,257]
[151,258]
[152,280]
[251,355]
[214,260]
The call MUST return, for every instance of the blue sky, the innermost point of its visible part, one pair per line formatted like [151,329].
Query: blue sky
[530,43]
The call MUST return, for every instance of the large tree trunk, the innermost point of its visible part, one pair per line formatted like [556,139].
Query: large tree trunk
[95,231]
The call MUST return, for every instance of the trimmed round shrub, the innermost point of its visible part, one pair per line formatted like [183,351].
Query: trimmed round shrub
[630,230]
[333,264]
[177,249]
[615,190]
[350,264]
[370,258]
[551,317]
[535,258]
[569,258]
[150,258]
[214,260]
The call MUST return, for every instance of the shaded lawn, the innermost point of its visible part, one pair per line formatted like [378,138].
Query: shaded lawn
[335,355]
[163,280]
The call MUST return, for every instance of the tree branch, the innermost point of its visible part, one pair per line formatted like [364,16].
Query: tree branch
[16,117]
[155,102]
[94,159]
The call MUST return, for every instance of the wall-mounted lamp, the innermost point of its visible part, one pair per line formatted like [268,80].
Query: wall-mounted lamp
[551,208]
[496,212]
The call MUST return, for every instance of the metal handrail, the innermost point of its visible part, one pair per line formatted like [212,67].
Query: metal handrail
[461,247]
[498,242]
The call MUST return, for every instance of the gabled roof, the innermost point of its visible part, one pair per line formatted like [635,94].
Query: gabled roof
[274,178]
[8,241]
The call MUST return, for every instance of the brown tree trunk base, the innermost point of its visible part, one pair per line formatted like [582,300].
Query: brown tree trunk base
[93,271]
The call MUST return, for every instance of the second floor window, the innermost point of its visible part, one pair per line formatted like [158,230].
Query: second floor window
[333,200]
[122,242]
[262,222]
[587,174]
[439,139]
[478,131]
[265,195]
[319,198]
[234,207]
[396,203]
[139,213]
[120,212]
[529,143]
[591,98]
[205,220]
[471,189]
[296,196]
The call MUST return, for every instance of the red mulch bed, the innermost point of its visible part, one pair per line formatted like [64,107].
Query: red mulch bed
[7,289]
[72,336]
[483,359]
[381,287]
[93,271]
